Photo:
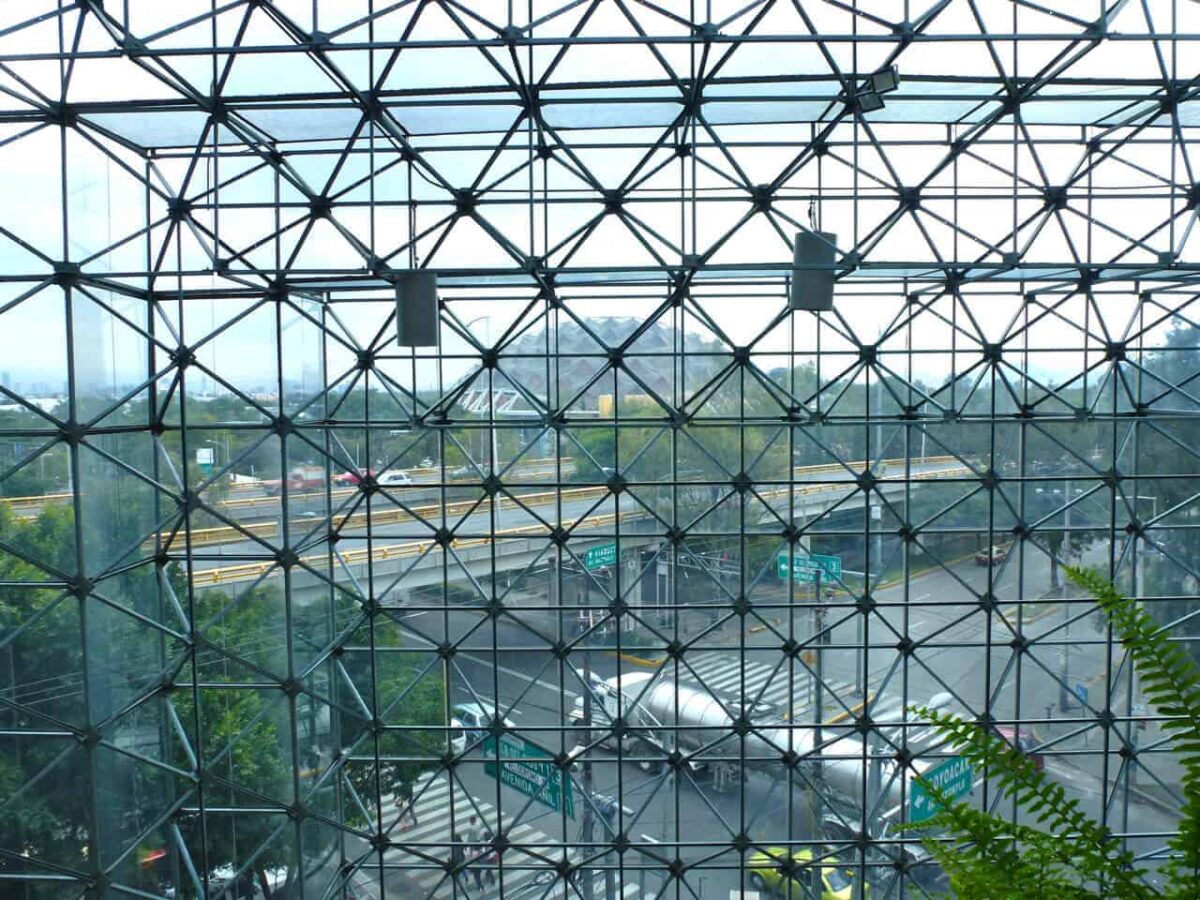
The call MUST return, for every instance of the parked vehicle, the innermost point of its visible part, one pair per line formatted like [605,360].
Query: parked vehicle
[458,737]
[766,874]
[474,718]
[300,480]
[228,887]
[995,554]
[1023,740]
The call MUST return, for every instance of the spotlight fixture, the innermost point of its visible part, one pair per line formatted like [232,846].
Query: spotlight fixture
[868,101]
[869,97]
[417,308]
[885,80]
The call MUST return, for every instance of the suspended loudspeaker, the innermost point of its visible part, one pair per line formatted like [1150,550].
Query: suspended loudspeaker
[813,270]
[417,309]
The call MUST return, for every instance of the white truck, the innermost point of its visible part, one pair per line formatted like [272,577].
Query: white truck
[662,717]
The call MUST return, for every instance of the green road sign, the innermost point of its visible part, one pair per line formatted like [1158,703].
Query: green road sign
[204,460]
[527,768]
[954,777]
[806,566]
[600,556]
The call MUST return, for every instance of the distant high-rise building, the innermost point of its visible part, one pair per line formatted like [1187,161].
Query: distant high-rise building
[92,377]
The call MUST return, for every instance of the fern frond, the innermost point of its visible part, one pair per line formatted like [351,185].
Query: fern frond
[1183,869]
[1169,678]
[1067,853]
[990,857]
[1087,848]
[1171,683]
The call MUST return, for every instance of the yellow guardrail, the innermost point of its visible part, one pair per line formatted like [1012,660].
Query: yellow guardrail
[26,502]
[224,534]
[397,551]
[342,492]
[244,571]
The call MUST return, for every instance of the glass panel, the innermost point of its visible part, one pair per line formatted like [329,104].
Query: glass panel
[630,585]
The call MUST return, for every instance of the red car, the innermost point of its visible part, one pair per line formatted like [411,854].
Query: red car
[353,477]
[300,480]
[995,554]
[1022,740]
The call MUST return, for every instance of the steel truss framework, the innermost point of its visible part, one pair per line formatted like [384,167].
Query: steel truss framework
[205,206]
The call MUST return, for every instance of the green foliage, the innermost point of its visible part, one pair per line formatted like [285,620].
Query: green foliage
[1065,853]
[410,699]
[1171,682]
[41,669]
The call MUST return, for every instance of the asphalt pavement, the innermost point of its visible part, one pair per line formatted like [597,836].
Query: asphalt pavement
[684,817]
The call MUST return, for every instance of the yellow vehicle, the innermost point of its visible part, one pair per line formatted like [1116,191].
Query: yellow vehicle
[837,882]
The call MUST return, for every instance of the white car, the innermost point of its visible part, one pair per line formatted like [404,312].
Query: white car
[222,876]
[458,738]
[394,478]
[474,718]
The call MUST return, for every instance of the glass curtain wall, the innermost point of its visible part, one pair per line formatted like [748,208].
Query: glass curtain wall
[629,586]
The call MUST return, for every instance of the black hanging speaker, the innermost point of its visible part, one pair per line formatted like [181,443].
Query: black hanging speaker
[813,270]
[417,308]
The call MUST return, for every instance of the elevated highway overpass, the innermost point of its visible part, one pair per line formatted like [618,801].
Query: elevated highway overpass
[483,547]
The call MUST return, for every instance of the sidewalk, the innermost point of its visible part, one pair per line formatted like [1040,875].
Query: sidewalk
[411,862]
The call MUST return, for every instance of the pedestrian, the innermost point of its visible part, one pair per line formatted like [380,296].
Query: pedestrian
[475,837]
[457,855]
[490,856]
[407,807]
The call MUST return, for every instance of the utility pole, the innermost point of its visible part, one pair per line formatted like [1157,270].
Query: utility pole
[586,827]
[610,876]
[874,792]
[818,887]
[1065,694]
[1133,683]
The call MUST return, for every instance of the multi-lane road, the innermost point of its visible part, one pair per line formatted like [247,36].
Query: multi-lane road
[403,524]
[922,636]
[667,818]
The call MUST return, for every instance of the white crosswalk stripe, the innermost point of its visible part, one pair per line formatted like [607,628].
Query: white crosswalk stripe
[723,673]
[436,807]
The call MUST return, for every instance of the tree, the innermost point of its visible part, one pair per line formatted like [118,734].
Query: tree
[42,671]
[234,719]
[411,703]
[243,733]
[1066,854]
[1171,447]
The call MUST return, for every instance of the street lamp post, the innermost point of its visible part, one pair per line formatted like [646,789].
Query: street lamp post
[819,714]
[585,829]
[1139,559]
[1064,692]
[1134,689]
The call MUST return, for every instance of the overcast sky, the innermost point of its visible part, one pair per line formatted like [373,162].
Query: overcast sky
[106,204]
